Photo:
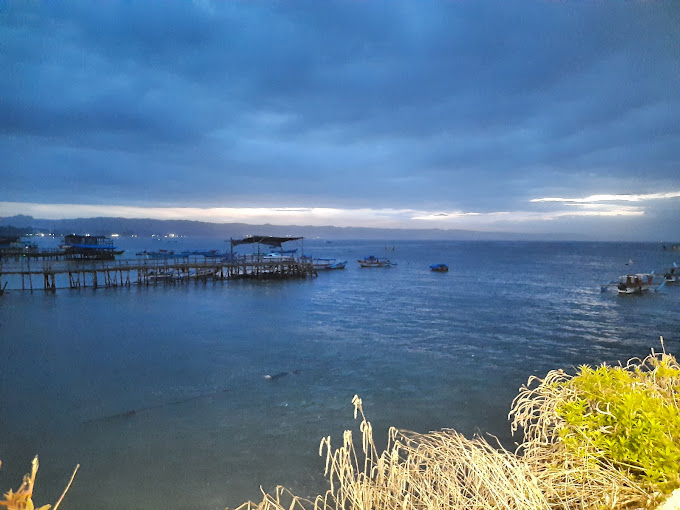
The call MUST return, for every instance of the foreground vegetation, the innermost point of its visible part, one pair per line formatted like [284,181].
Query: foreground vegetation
[22,499]
[603,438]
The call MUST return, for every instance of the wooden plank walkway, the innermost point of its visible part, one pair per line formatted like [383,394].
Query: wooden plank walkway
[125,273]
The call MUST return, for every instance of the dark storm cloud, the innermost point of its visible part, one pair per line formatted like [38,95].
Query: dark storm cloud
[475,105]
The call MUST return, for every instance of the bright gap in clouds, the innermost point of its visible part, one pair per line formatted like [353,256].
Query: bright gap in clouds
[610,198]
[594,205]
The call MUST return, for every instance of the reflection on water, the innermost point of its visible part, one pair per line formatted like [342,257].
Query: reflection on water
[424,350]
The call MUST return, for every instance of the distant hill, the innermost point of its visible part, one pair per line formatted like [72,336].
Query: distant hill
[148,227]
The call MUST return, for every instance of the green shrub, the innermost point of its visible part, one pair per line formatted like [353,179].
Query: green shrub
[627,416]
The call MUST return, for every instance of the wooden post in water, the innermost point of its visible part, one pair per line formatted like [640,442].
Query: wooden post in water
[30,279]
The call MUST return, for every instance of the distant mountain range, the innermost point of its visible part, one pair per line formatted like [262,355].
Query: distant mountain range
[149,227]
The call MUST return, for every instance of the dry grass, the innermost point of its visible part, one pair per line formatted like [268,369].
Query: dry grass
[445,470]
[22,499]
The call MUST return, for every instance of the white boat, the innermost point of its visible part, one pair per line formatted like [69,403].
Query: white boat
[328,264]
[635,283]
[161,275]
[372,261]
[275,255]
[280,253]
[160,254]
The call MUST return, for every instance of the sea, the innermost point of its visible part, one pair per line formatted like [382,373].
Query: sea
[159,393]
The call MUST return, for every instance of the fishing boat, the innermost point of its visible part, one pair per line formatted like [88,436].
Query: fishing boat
[439,268]
[161,275]
[201,272]
[279,251]
[638,283]
[672,275]
[635,283]
[276,255]
[372,261]
[322,263]
[160,254]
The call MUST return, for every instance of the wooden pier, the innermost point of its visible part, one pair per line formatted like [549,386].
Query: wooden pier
[125,273]
[22,253]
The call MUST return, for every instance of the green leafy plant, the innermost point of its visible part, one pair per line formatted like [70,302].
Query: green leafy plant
[624,416]
[628,416]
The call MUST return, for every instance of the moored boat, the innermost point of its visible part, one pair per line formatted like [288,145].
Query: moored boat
[160,254]
[372,261]
[322,263]
[201,272]
[161,274]
[278,251]
[276,255]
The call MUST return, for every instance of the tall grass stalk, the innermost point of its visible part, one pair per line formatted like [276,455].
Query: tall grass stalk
[569,457]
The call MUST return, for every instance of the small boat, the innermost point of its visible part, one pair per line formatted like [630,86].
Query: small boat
[372,261]
[638,283]
[160,254]
[328,264]
[280,251]
[635,283]
[161,274]
[277,255]
[201,272]
[439,268]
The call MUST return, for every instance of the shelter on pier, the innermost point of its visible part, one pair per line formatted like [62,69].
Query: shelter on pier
[272,242]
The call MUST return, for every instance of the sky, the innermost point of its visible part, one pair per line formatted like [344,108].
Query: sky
[546,117]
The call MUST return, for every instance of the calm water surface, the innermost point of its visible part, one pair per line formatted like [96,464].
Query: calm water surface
[424,350]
